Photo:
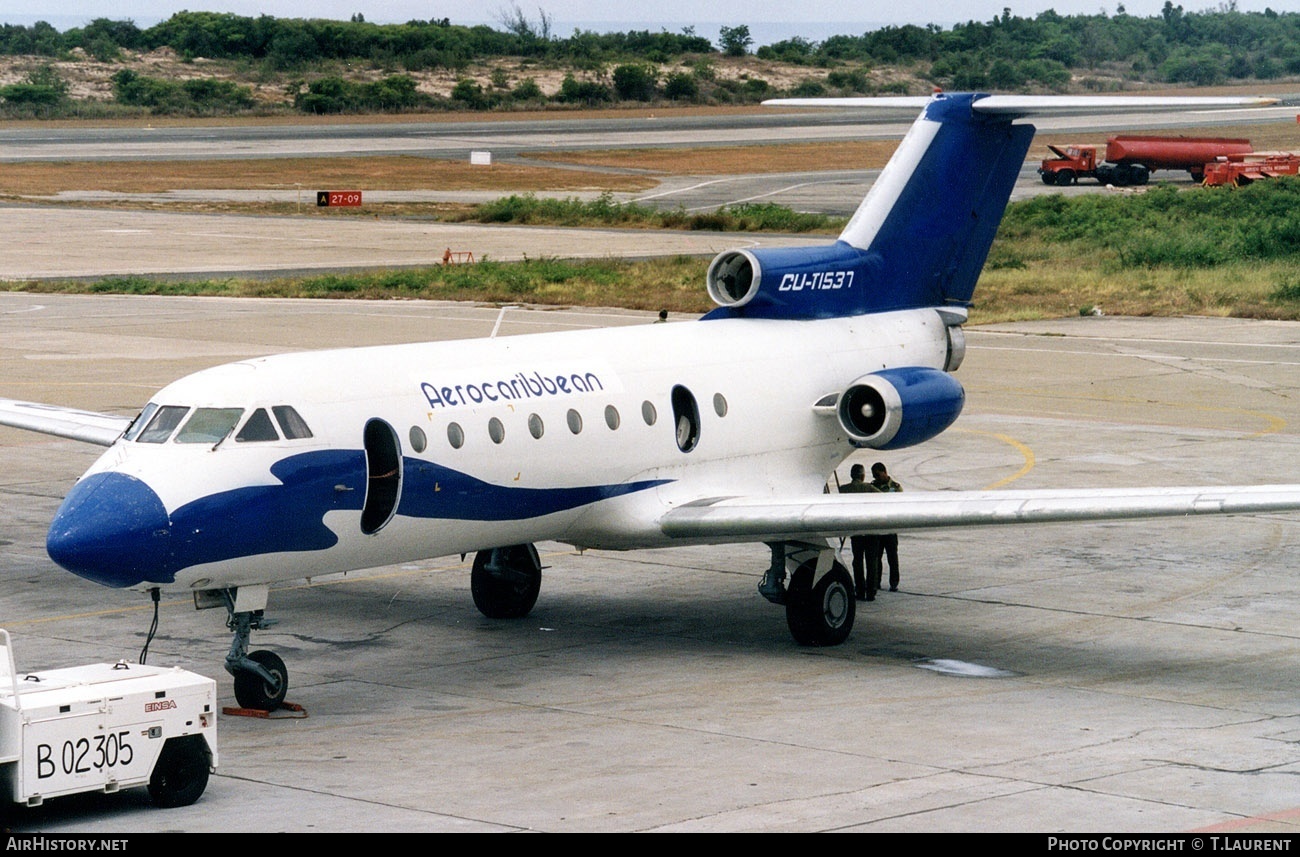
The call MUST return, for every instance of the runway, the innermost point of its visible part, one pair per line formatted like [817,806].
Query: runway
[1116,677]
[445,137]
[815,190]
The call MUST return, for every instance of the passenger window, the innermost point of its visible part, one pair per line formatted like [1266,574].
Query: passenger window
[209,425]
[293,426]
[418,440]
[535,426]
[455,435]
[611,417]
[496,430]
[648,412]
[575,421]
[162,425]
[258,428]
[719,404]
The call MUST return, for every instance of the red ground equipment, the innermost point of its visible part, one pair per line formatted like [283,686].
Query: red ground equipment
[1131,160]
[1241,170]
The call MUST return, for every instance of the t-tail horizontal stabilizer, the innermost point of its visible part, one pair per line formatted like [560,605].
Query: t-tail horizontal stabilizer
[921,235]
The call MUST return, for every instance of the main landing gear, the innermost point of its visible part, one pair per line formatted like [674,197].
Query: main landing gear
[819,599]
[505,581]
[814,587]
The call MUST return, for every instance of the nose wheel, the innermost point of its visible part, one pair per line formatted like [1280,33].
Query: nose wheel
[261,681]
[261,678]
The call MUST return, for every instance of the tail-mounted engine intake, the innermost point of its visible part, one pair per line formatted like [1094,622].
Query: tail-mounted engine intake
[792,282]
[895,408]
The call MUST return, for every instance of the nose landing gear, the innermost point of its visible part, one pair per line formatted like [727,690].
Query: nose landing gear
[261,678]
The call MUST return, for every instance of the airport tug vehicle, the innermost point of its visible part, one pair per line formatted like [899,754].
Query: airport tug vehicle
[104,727]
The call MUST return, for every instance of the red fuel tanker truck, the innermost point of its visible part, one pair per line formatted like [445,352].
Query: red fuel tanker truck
[1131,160]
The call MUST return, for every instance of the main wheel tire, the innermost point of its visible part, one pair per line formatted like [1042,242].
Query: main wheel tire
[181,772]
[508,589]
[821,614]
[252,691]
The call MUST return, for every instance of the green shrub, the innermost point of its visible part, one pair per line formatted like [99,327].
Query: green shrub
[527,90]
[635,82]
[682,87]
[589,92]
[1190,228]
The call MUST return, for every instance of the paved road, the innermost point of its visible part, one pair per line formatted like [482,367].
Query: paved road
[1119,677]
[834,192]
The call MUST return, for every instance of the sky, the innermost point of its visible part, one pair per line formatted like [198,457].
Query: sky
[768,20]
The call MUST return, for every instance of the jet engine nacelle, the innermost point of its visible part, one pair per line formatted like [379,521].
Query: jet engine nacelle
[894,408]
[792,282]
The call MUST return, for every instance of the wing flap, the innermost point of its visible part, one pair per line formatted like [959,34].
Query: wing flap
[831,515]
[85,426]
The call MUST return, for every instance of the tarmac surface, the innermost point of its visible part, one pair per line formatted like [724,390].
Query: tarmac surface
[1118,677]
[114,243]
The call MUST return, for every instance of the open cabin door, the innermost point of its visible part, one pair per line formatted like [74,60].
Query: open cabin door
[383,476]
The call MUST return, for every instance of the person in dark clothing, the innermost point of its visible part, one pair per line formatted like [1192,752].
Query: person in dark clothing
[885,544]
[866,577]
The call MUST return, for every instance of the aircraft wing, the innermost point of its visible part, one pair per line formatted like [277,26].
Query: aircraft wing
[831,515]
[1044,105]
[85,426]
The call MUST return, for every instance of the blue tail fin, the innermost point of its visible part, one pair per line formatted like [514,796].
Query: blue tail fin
[931,217]
[919,238]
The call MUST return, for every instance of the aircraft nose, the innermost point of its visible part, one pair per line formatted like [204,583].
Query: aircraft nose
[112,529]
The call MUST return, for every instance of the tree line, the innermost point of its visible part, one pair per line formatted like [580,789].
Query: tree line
[1047,52]
[1007,52]
[290,43]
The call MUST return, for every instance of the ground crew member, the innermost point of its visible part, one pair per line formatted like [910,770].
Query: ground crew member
[885,544]
[866,577]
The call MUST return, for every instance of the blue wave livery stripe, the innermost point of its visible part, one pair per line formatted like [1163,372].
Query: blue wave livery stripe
[432,491]
[113,529]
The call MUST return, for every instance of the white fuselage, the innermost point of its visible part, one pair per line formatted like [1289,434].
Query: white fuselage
[754,384]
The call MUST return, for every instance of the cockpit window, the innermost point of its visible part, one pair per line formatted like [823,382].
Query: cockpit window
[209,425]
[141,420]
[293,426]
[258,428]
[164,422]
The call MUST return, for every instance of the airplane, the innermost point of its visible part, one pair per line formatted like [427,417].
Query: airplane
[721,430]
